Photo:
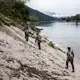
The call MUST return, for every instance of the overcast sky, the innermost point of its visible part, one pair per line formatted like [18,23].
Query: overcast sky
[62,7]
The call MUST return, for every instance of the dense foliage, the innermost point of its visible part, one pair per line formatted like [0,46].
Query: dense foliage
[38,16]
[14,10]
[75,18]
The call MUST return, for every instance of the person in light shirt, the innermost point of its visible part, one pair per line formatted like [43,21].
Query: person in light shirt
[70,58]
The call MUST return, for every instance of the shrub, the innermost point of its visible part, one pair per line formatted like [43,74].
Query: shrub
[51,44]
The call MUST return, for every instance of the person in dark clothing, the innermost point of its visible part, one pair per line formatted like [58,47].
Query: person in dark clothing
[38,40]
[27,34]
[70,58]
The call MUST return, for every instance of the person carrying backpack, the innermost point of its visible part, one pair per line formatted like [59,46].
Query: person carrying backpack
[70,58]
[38,40]
[27,34]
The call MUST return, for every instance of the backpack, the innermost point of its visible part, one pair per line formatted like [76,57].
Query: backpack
[70,54]
[38,39]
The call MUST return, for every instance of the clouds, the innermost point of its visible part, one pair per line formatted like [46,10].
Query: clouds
[64,7]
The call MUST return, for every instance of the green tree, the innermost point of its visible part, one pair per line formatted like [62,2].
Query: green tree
[15,9]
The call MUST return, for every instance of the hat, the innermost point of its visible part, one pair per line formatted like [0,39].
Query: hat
[69,48]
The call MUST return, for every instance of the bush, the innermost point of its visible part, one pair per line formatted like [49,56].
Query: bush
[51,44]
[15,10]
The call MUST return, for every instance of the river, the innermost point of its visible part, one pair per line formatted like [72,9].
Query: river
[64,34]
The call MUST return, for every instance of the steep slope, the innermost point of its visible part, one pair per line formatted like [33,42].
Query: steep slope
[21,60]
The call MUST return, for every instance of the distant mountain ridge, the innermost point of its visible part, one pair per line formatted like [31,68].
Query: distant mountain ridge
[49,13]
[39,16]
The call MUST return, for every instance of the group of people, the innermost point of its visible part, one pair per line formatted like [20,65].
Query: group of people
[70,53]
[37,38]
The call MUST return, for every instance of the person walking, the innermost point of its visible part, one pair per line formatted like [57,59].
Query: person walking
[70,58]
[38,40]
[27,34]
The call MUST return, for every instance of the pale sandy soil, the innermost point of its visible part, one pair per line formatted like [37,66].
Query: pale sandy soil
[21,60]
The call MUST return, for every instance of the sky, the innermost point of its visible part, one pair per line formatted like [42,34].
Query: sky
[61,7]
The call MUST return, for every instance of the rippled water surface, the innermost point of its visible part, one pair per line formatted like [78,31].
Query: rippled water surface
[63,33]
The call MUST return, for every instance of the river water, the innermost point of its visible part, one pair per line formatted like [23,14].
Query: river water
[64,34]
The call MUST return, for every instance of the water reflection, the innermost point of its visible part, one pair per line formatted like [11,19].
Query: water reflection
[77,24]
[46,24]
[63,33]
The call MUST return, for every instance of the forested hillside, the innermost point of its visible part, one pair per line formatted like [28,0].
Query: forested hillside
[13,11]
[38,16]
[74,18]
[16,12]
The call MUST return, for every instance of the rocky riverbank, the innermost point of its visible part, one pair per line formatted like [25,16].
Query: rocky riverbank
[21,60]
